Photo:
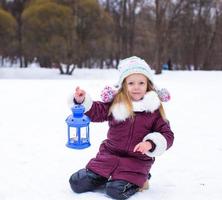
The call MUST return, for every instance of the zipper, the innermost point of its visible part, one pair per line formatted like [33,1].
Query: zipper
[131,133]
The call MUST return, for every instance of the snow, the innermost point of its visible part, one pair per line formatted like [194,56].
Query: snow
[36,164]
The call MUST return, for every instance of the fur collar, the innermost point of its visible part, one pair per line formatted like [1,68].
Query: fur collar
[149,103]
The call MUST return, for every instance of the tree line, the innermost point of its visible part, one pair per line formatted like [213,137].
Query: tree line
[178,34]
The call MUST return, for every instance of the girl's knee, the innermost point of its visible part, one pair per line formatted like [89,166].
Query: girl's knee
[77,180]
[85,180]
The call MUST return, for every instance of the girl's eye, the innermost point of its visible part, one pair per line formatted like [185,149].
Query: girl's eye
[142,83]
[130,83]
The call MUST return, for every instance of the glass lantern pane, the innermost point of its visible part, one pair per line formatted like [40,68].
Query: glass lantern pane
[83,133]
[73,135]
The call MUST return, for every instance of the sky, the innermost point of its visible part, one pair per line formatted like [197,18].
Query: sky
[36,164]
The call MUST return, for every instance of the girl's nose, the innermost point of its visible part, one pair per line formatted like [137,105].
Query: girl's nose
[136,86]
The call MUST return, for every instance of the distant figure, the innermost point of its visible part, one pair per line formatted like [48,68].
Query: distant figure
[165,67]
[169,63]
[138,132]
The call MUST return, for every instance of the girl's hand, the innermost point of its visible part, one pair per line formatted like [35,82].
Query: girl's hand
[79,95]
[143,147]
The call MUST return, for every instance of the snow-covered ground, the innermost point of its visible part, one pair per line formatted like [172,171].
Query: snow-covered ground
[36,164]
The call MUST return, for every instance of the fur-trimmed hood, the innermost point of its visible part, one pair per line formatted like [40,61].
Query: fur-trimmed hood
[149,103]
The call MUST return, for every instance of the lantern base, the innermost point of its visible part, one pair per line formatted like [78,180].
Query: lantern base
[78,146]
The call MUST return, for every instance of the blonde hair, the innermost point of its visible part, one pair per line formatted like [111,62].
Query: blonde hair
[123,96]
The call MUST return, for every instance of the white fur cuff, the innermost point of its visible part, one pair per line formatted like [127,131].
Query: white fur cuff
[87,103]
[160,142]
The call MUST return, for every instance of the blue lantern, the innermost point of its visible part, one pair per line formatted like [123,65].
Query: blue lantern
[78,128]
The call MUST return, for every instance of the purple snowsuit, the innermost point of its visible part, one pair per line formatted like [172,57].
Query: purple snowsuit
[116,159]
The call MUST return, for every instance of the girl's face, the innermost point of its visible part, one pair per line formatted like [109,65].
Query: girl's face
[136,85]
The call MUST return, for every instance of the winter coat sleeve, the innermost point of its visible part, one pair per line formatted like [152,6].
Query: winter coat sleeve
[161,135]
[97,111]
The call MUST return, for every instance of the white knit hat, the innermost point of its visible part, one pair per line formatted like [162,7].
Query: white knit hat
[133,65]
[130,66]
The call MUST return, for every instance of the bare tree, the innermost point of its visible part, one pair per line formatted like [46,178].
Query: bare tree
[166,13]
[215,31]
[16,7]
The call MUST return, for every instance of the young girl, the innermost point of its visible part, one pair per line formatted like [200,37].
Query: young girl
[138,131]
